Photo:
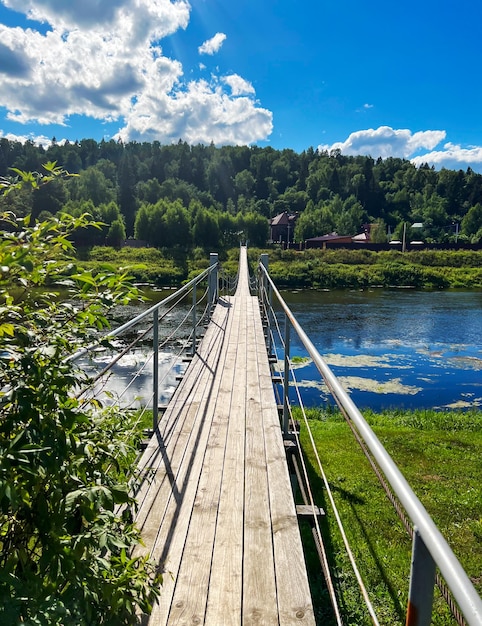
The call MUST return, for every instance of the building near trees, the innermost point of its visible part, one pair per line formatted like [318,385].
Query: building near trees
[282,227]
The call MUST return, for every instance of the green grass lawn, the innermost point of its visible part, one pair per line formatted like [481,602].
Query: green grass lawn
[440,456]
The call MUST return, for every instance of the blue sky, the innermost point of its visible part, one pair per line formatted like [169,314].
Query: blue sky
[379,78]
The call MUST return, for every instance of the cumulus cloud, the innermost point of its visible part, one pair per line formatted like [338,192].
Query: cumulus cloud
[38,140]
[239,86]
[237,120]
[387,142]
[211,46]
[100,13]
[12,62]
[103,59]
[453,157]
[419,147]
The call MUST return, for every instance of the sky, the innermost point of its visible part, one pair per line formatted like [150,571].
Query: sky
[373,78]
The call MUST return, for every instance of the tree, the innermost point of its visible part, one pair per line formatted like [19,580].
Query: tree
[244,183]
[116,234]
[206,231]
[472,222]
[91,184]
[351,217]
[141,227]
[65,541]
[126,196]
[177,225]
[314,222]
[255,228]
[378,233]
[149,191]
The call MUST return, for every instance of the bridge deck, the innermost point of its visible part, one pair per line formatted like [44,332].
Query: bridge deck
[216,508]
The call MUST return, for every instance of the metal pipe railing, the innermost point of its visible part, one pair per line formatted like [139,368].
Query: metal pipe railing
[427,532]
[147,313]
[153,312]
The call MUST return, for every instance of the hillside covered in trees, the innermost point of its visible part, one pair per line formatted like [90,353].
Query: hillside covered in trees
[182,195]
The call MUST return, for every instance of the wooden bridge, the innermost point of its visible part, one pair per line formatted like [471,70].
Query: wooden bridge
[216,508]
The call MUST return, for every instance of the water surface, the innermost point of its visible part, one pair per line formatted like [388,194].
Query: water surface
[390,348]
[394,348]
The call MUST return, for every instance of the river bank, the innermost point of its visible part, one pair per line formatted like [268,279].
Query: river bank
[325,269]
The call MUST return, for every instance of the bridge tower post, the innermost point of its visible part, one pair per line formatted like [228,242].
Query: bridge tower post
[194,320]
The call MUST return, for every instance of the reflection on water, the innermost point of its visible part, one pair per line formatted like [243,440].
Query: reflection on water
[129,381]
[394,348]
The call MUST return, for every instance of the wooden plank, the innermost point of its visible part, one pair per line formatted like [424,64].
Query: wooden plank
[259,593]
[171,545]
[225,590]
[184,391]
[294,598]
[162,458]
[175,497]
[191,592]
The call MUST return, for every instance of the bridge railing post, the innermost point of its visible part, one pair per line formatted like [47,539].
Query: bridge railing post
[422,583]
[213,280]
[266,298]
[155,372]
[286,378]
[194,319]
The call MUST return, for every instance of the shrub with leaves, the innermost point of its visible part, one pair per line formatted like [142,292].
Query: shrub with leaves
[66,530]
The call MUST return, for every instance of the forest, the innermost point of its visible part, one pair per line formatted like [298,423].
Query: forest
[211,197]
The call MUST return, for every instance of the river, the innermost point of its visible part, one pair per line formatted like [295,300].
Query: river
[394,348]
[399,348]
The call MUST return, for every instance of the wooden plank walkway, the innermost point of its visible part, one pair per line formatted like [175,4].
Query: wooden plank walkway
[216,507]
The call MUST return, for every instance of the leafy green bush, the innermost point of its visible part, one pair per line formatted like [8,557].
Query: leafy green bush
[66,530]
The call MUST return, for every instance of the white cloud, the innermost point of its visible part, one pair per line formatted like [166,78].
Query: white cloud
[213,45]
[239,86]
[38,140]
[418,147]
[200,114]
[453,157]
[387,142]
[103,59]
[164,16]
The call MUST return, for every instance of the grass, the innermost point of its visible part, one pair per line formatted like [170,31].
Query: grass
[439,455]
[330,269]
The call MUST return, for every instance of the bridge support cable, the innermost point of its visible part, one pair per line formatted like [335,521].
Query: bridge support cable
[145,314]
[169,338]
[305,487]
[465,596]
[414,535]
[341,528]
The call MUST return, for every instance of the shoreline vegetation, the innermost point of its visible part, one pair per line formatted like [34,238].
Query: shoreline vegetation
[319,269]
[439,455]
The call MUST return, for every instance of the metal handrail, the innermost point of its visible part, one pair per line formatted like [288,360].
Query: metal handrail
[153,312]
[147,313]
[455,576]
